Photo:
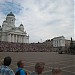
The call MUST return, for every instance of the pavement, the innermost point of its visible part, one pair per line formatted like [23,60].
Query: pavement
[65,62]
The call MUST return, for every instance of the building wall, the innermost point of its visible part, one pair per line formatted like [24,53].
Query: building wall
[59,41]
[67,43]
[10,20]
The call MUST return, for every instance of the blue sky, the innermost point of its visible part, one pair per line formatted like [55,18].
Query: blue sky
[42,19]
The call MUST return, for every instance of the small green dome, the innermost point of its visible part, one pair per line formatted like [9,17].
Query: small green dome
[10,14]
[21,24]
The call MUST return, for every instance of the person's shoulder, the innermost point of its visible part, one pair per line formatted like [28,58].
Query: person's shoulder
[4,68]
[11,71]
[7,70]
[33,73]
[22,72]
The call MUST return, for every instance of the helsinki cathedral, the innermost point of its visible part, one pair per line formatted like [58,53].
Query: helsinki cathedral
[10,33]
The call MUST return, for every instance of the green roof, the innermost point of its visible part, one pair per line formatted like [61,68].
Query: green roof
[10,14]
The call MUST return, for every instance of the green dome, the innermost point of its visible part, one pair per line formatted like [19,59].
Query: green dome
[10,14]
[21,24]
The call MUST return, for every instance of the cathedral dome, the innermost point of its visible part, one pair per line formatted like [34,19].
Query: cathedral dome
[4,21]
[10,14]
[21,24]
[21,27]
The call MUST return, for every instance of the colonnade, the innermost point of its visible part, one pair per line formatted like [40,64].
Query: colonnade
[18,38]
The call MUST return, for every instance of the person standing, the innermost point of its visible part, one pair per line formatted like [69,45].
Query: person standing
[20,70]
[5,69]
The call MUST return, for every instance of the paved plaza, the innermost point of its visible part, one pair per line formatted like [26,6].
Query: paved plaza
[52,60]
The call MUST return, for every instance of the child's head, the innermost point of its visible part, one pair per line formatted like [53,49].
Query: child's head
[39,67]
[56,71]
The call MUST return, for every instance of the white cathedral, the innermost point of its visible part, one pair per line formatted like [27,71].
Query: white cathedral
[10,33]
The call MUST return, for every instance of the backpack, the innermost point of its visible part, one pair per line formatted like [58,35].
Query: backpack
[18,72]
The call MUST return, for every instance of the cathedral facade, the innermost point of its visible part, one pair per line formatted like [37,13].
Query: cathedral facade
[10,33]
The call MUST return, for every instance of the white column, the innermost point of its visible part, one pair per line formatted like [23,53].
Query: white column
[13,38]
[23,39]
[28,39]
[16,38]
[9,37]
[19,38]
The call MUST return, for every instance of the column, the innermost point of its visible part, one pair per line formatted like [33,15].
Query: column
[9,37]
[16,38]
[23,39]
[13,38]
[19,38]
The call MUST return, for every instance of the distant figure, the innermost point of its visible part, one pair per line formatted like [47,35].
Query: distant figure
[56,71]
[39,67]
[5,69]
[20,70]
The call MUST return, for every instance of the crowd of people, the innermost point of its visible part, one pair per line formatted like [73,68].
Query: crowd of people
[23,47]
[39,68]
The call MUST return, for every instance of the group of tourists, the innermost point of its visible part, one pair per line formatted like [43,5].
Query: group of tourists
[39,67]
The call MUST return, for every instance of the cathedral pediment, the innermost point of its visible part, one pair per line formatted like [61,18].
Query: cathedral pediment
[16,31]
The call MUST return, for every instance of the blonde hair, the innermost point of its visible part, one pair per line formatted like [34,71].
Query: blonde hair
[40,64]
[56,71]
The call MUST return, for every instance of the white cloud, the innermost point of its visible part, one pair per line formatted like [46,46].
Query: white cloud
[45,19]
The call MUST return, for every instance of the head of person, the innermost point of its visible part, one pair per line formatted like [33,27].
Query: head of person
[39,67]
[56,71]
[7,61]
[20,64]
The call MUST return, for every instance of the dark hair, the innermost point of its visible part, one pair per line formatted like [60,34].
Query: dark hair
[7,61]
[19,63]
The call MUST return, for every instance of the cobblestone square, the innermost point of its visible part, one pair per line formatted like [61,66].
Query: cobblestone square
[52,60]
